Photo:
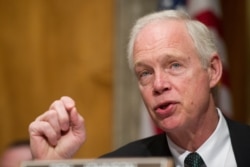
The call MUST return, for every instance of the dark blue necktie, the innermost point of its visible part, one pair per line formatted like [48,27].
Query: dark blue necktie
[194,160]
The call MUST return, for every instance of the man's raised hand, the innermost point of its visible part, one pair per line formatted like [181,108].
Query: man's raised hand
[59,132]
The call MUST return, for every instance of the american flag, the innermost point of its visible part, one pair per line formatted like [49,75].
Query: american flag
[209,13]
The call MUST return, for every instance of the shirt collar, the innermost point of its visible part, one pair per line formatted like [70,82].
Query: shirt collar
[212,145]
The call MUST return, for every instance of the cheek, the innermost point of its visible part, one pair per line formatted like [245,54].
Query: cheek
[196,93]
[145,93]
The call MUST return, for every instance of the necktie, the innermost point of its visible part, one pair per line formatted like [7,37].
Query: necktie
[194,160]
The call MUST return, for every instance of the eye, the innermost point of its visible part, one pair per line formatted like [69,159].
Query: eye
[175,65]
[176,68]
[144,74]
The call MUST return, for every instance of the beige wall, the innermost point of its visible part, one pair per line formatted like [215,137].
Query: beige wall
[127,100]
[50,48]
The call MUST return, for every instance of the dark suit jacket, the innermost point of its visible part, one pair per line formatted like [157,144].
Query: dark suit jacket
[157,146]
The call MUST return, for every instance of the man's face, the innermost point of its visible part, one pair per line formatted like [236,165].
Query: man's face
[174,85]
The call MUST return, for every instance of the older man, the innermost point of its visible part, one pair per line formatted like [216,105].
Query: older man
[177,65]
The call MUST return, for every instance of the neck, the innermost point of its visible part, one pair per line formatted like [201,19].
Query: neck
[197,133]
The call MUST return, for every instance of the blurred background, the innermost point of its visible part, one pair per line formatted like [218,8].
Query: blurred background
[52,48]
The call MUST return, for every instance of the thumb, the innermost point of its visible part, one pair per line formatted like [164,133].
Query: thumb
[77,125]
[68,102]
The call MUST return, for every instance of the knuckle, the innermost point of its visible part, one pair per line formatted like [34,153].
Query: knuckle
[32,126]
[55,104]
[51,113]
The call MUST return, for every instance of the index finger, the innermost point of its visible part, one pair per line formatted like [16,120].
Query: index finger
[62,114]
[68,102]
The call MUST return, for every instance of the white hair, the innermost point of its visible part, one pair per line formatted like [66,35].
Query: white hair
[200,34]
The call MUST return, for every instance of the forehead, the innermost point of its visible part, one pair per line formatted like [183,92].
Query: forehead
[163,33]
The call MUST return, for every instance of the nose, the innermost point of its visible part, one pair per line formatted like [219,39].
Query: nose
[160,84]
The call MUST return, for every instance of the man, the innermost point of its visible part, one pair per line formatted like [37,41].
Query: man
[177,66]
[16,153]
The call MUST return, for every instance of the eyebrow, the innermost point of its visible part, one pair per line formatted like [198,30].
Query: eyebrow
[168,57]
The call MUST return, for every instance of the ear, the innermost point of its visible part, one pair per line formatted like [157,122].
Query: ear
[215,70]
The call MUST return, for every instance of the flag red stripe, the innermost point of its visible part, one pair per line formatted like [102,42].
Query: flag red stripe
[211,20]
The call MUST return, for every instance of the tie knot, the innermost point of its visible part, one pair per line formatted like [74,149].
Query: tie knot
[194,160]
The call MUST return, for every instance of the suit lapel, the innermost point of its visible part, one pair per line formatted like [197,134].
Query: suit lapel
[159,147]
[240,138]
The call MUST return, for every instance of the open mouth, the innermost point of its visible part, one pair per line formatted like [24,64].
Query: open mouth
[162,106]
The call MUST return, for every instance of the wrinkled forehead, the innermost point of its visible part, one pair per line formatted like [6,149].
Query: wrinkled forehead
[163,32]
[167,28]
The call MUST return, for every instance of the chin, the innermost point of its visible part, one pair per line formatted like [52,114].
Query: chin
[168,125]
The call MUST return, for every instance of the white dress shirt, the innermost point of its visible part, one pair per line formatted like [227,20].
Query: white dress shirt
[215,151]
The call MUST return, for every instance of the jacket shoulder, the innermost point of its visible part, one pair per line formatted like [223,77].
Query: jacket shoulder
[155,146]
[240,137]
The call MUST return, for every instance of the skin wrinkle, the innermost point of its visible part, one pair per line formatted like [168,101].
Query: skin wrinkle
[178,86]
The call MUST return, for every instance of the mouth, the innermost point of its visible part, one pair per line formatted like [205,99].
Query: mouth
[162,106]
[165,109]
